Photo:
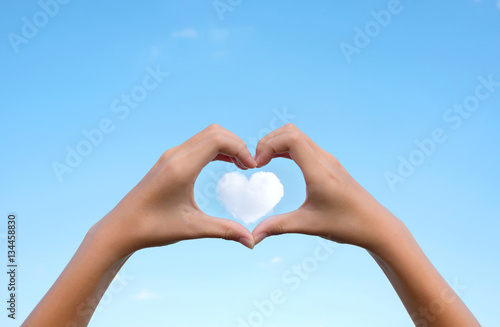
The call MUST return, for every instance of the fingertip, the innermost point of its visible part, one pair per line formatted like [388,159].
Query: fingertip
[258,160]
[238,163]
[249,243]
[253,162]
[262,162]
[264,156]
[247,160]
[259,238]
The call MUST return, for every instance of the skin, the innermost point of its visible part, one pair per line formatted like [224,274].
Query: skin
[161,210]
[339,209]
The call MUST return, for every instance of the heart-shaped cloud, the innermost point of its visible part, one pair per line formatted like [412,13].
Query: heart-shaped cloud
[249,200]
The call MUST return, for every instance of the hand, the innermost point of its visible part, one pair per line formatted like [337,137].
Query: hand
[161,209]
[336,206]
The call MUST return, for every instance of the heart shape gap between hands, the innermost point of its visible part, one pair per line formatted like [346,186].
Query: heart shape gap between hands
[249,200]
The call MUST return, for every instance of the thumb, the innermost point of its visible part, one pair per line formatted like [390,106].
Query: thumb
[291,222]
[214,227]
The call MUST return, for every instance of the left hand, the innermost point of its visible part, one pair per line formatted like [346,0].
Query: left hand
[161,209]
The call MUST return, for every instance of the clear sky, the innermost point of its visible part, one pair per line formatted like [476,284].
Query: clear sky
[364,84]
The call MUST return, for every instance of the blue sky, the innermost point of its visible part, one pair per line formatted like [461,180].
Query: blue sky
[250,69]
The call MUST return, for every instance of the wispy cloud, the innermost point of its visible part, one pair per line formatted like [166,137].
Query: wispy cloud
[146,295]
[270,263]
[187,33]
[276,260]
[498,2]
[218,35]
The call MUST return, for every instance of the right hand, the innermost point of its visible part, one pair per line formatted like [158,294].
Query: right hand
[336,206]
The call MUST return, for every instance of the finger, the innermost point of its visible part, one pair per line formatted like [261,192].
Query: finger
[213,227]
[216,144]
[207,133]
[282,155]
[200,136]
[290,128]
[223,157]
[238,163]
[292,222]
[297,148]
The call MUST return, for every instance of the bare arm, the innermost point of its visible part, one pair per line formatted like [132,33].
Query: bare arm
[74,296]
[427,297]
[339,209]
[160,210]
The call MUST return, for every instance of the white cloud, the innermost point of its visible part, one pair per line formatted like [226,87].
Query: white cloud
[269,264]
[187,33]
[276,260]
[146,295]
[250,200]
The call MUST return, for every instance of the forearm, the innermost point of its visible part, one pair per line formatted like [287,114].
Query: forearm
[73,298]
[160,210]
[428,298]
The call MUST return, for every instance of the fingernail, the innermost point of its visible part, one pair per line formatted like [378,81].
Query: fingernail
[260,237]
[247,242]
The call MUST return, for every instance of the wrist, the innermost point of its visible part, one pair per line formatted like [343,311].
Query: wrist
[111,242]
[388,234]
[395,243]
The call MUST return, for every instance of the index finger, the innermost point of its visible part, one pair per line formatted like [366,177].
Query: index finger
[289,143]
[216,145]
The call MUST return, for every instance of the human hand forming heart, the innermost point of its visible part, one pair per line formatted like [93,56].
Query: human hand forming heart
[161,209]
